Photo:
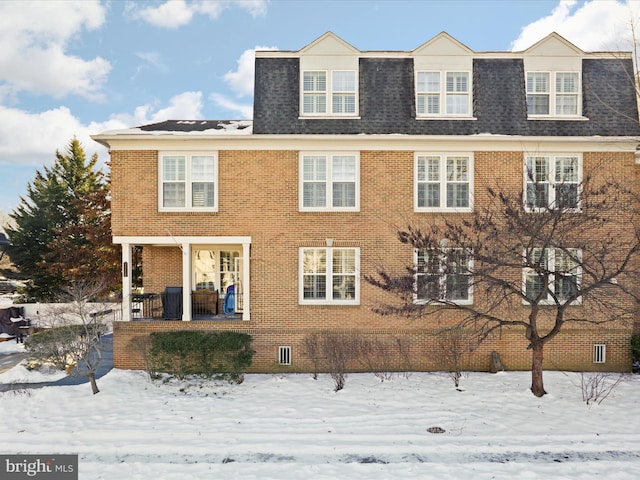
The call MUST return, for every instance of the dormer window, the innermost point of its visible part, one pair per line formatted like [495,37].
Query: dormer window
[553,94]
[442,93]
[329,92]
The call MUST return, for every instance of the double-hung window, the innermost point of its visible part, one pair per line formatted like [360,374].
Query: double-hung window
[329,275]
[552,275]
[552,182]
[443,275]
[188,182]
[329,92]
[443,94]
[554,94]
[443,182]
[329,182]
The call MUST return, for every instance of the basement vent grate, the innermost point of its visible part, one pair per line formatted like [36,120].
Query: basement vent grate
[599,353]
[284,355]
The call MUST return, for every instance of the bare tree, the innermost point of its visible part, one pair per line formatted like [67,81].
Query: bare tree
[85,325]
[522,263]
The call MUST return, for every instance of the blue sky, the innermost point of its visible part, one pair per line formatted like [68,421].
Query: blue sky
[77,68]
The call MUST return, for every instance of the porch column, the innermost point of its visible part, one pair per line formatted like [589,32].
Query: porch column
[186,281]
[127,282]
[246,287]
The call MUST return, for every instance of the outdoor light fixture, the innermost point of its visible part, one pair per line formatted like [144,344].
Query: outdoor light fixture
[4,244]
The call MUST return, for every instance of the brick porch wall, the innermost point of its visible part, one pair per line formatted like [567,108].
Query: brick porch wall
[572,350]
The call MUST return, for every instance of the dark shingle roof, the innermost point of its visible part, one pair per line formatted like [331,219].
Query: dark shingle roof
[387,103]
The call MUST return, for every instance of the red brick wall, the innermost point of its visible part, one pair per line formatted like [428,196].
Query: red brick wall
[258,197]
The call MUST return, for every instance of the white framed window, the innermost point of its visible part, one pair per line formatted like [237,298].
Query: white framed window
[552,275]
[599,353]
[329,92]
[443,182]
[329,181]
[188,182]
[329,275]
[443,275]
[441,93]
[554,94]
[552,182]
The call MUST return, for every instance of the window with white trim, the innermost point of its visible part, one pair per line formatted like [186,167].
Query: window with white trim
[330,275]
[552,275]
[329,182]
[188,182]
[554,94]
[443,182]
[552,182]
[329,92]
[443,94]
[443,275]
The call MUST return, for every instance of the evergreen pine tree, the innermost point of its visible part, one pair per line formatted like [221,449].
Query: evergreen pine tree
[62,229]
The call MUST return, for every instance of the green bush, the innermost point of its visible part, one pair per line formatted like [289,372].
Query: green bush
[221,354]
[635,352]
[55,345]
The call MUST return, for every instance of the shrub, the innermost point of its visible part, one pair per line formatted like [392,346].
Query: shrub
[597,386]
[635,352]
[312,350]
[452,346]
[339,353]
[55,345]
[222,354]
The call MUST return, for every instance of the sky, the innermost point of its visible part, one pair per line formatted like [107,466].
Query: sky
[272,427]
[77,68]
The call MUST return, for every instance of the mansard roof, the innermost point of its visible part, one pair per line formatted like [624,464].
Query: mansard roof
[386,93]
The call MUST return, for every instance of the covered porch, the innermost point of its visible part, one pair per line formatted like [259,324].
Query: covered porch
[187,278]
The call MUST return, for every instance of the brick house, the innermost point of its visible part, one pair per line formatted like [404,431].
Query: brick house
[344,146]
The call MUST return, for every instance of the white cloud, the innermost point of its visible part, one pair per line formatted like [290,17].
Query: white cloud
[187,105]
[245,111]
[241,81]
[210,9]
[32,138]
[150,60]
[592,26]
[178,13]
[256,8]
[172,14]
[34,37]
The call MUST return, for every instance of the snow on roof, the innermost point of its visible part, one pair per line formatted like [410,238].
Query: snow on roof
[189,127]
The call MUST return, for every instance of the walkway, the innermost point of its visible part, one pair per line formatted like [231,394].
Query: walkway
[105,365]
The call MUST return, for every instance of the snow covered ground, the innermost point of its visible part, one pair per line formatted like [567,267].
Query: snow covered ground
[294,427]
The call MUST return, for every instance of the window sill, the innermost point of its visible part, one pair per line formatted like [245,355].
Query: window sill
[543,210]
[437,303]
[330,303]
[551,303]
[329,117]
[329,210]
[445,117]
[564,118]
[443,210]
[187,210]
